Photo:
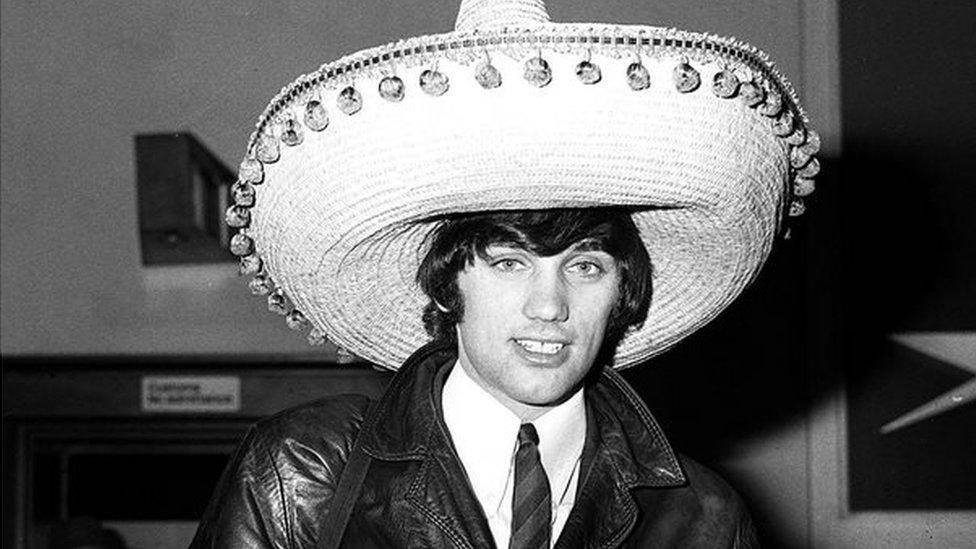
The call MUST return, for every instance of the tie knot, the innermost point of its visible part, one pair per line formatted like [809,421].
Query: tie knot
[527,435]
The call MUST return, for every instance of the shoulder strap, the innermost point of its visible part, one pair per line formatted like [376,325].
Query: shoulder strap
[350,481]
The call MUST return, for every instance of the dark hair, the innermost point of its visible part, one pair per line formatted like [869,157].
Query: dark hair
[457,239]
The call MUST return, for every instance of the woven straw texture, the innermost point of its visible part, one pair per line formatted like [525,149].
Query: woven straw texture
[487,14]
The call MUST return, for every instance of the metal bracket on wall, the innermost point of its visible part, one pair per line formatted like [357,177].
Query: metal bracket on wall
[182,192]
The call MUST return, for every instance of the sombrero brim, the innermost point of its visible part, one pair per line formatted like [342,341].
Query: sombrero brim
[340,220]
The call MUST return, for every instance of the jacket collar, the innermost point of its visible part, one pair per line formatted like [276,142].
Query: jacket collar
[630,437]
[408,424]
[406,421]
[627,450]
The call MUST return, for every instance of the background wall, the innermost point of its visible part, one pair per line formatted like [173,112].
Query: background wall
[80,79]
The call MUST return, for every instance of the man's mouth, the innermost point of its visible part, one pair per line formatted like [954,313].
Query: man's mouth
[541,347]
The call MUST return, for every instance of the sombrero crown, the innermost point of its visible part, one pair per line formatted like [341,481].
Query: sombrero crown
[351,166]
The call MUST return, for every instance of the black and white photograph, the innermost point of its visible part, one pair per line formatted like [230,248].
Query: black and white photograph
[514,274]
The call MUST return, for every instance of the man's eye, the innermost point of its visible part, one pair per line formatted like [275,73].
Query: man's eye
[587,269]
[507,264]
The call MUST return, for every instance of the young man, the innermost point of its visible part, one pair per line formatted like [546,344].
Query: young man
[486,211]
[523,304]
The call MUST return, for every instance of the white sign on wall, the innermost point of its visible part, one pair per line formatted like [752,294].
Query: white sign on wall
[191,394]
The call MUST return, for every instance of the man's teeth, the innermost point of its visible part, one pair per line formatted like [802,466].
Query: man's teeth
[543,347]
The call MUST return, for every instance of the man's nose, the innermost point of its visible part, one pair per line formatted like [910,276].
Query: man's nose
[547,300]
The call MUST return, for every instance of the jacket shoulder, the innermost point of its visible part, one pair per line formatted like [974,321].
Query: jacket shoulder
[712,491]
[326,426]
[294,456]
[705,512]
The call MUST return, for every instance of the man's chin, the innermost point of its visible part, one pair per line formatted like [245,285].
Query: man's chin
[547,395]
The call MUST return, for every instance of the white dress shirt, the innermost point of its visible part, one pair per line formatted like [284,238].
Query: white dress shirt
[485,434]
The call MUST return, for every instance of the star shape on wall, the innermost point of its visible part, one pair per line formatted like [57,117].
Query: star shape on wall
[955,348]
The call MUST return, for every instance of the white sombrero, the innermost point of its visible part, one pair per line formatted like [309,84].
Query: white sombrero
[698,134]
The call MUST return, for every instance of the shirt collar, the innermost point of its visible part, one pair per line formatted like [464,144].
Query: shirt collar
[485,432]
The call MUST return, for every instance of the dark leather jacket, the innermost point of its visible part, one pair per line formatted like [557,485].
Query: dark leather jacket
[634,491]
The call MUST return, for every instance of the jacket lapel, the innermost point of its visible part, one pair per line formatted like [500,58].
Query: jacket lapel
[443,497]
[604,512]
[625,450]
[409,426]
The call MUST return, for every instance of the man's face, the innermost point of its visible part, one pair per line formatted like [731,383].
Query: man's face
[533,325]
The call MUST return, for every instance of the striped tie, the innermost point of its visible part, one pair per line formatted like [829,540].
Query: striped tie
[531,502]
